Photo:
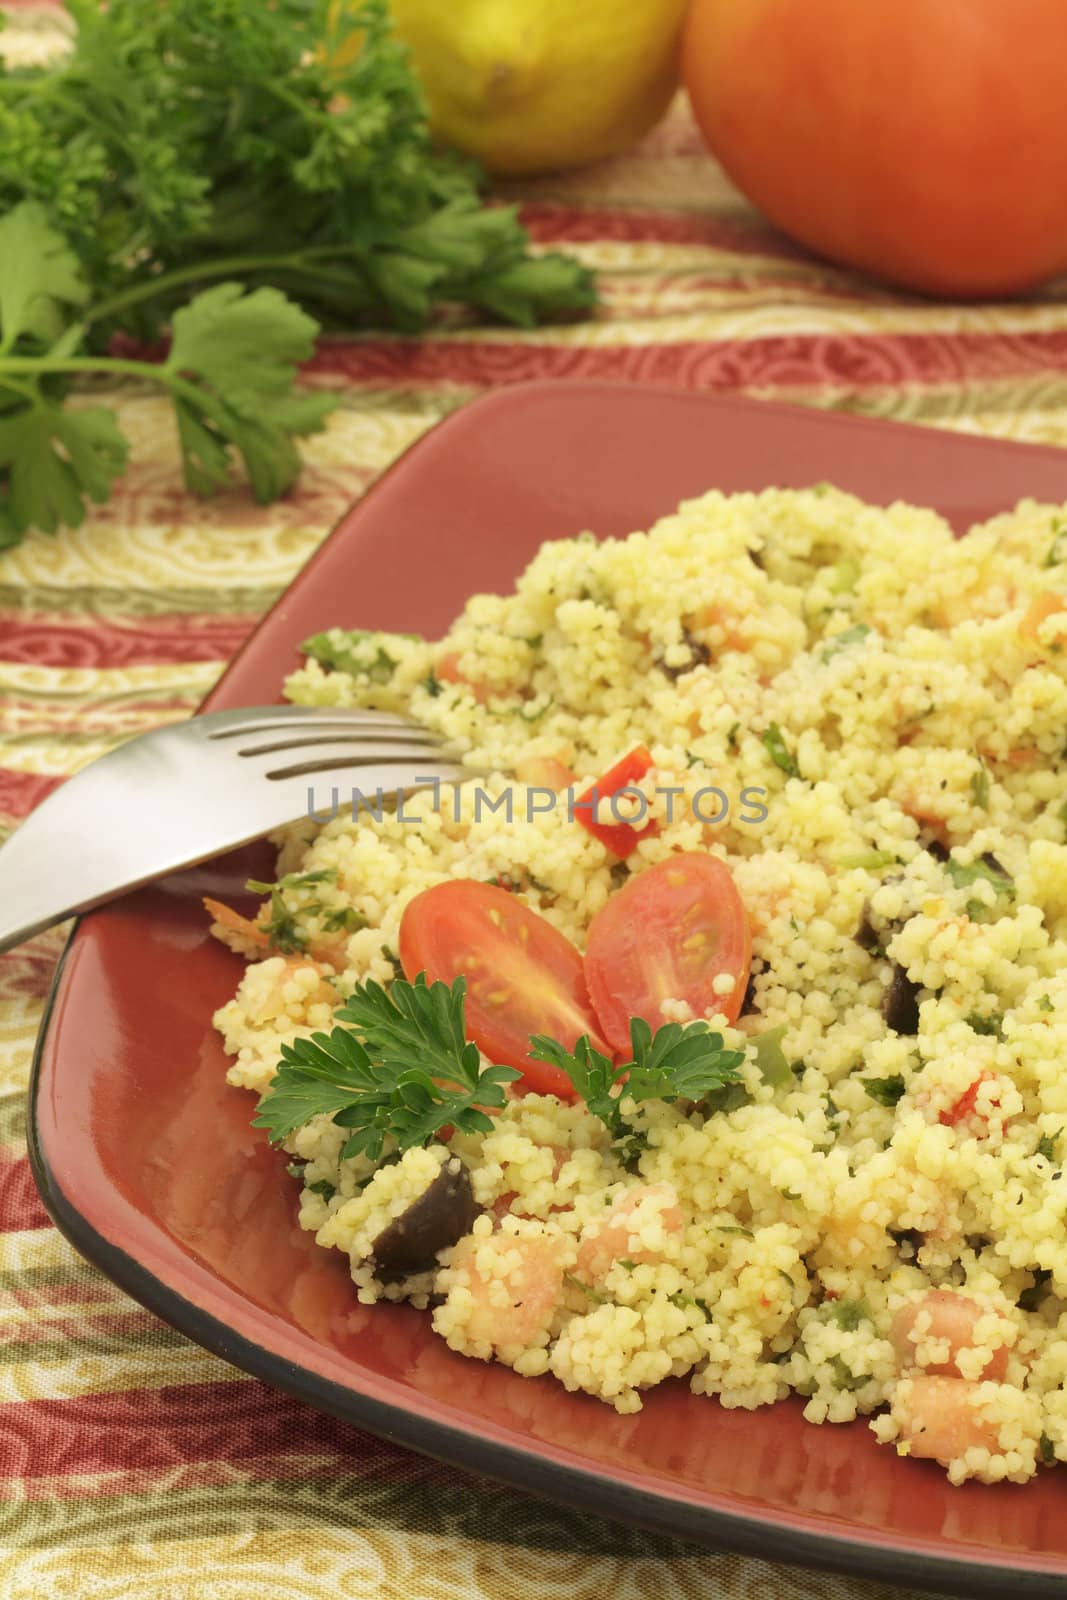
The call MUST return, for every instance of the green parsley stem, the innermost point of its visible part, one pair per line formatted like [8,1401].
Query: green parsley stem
[301,261]
[34,366]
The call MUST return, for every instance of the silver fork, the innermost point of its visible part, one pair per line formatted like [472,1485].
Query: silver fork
[183,793]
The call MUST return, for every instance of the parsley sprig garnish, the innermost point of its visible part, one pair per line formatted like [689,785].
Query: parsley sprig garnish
[677,1062]
[399,1067]
[237,175]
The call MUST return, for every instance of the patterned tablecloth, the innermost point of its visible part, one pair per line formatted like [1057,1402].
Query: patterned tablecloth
[132,1463]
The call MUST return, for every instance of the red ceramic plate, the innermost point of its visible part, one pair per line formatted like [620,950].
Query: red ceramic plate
[146,1159]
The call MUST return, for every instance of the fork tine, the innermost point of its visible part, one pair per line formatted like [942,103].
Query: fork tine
[410,739]
[355,757]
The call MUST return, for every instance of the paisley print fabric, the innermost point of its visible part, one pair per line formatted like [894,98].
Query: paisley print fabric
[134,1466]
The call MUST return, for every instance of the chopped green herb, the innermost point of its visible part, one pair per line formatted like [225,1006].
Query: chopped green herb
[724,1227]
[887,1091]
[355,651]
[590,1293]
[731,738]
[393,960]
[982,871]
[324,1188]
[344,919]
[1046,1145]
[841,641]
[770,1057]
[535,641]
[685,1301]
[980,788]
[1045,1004]
[280,925]
[789,1194]
[779,752]
[848,1314]
[845,1378]
[630,1147]
[433,685]
[990,1025]
[1047,1450]
[1057,550]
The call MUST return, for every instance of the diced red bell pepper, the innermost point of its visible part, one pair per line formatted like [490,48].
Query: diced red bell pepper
[618,837]
[963,1107]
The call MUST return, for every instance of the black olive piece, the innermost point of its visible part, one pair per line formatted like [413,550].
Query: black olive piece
[900,1004]
[756,558]
[867,935]
[699,656]
[435,1219]
[988,859]
[935,848]
[748,1004]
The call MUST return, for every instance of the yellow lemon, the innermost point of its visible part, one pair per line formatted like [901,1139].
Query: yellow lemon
[529,84]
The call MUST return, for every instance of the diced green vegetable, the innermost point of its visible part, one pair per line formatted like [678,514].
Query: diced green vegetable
[770,1057]
[779,752]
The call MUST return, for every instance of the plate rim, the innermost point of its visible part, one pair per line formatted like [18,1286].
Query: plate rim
[587,1489]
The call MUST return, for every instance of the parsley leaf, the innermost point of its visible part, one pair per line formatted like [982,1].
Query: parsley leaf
[779,752]
[53,460]
[677,1062]
[229,374]
[397,1066]
[840,641]
[980,787]
[40,277]
[271,167]
[1046,1145]
[986,869]
[1057,550]
[989,1025]
[887,1091]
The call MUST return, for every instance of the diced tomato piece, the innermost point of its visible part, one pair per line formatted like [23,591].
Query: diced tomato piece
[1043,605]
[618,837]
[544,772]
[964,1106]
[447,670]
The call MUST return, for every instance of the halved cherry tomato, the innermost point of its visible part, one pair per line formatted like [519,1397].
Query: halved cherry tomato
[618,837]
[668,934]
[523,976]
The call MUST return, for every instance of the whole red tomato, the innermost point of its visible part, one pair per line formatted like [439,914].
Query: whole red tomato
[924,141]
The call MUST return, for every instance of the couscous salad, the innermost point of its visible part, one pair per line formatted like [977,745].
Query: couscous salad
[716,1029]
